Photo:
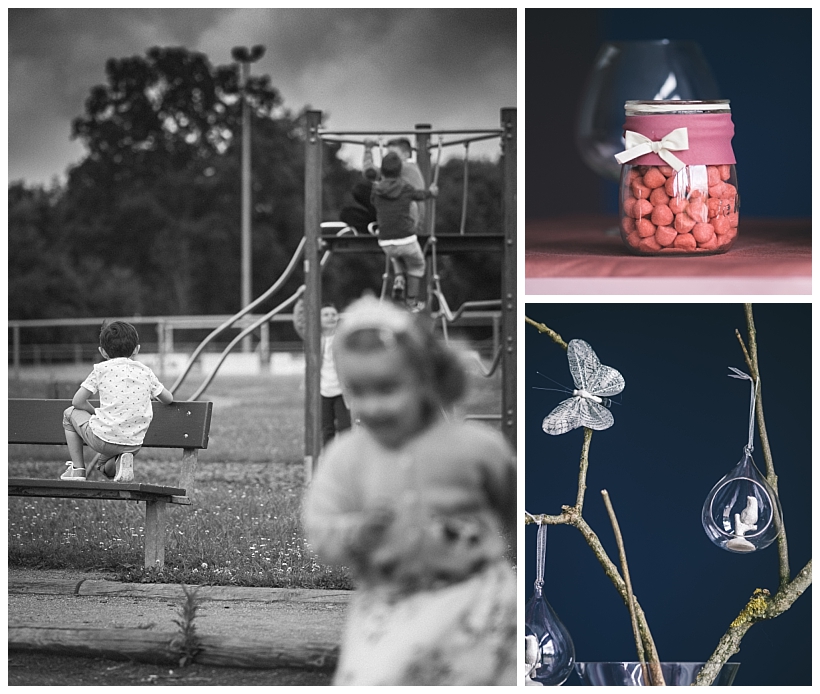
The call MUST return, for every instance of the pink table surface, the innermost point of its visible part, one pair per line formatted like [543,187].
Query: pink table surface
[575,255]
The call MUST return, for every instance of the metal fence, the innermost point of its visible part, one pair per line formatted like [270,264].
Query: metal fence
[164,339]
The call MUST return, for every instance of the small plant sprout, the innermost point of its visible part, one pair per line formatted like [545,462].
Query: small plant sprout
[186,643]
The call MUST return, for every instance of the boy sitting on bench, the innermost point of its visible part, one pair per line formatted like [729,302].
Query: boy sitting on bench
[114,430]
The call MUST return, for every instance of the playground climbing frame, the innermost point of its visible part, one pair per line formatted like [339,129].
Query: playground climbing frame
[313,250]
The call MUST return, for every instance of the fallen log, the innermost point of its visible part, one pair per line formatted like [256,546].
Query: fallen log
[45,586]
[168,591]
[216,593]
[146,646]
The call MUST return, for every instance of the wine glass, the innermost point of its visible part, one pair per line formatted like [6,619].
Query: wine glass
[625,70]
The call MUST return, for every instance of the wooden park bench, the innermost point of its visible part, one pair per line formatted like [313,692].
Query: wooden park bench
[182,425]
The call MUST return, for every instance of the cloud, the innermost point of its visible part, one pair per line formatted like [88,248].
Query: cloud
[410,55]
[64,51]
[383,69]
[365,68]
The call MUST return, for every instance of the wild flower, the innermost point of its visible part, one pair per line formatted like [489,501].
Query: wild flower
[249,544]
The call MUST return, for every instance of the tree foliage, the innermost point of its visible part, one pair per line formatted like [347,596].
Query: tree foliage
[148,222]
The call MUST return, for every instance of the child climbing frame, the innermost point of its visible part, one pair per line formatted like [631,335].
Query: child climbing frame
[315,136]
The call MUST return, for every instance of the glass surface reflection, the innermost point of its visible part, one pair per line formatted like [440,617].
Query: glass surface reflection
[627,70]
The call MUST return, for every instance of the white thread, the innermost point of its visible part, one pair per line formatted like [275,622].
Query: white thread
[542,555]
[741,375]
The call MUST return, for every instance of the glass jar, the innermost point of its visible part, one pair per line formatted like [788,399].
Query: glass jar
[678,190]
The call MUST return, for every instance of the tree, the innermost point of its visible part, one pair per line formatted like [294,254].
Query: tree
[37,276]
[161,179]
[47,279]
[470,276]
[153,133]
[149,221]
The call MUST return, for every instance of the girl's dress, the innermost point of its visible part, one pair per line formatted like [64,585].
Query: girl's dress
[435,602]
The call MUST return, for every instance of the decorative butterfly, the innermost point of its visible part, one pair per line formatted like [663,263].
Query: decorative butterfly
[588,406]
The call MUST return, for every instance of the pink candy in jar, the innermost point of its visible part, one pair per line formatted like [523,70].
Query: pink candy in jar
[678,192]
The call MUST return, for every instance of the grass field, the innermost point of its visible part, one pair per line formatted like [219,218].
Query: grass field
[244,526]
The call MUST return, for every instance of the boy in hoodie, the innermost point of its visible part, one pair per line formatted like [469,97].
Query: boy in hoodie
[410,171]
[392,198]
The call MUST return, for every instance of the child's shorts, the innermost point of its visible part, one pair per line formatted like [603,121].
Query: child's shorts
[77,421]
[406,257]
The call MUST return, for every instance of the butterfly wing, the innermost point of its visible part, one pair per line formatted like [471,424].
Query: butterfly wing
[606,382]
[594,416]
[588,372]
[565,417]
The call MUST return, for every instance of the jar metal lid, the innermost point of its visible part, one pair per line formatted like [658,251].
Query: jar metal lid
[646,108]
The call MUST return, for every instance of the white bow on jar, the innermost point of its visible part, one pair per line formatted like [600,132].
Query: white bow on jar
[637,145]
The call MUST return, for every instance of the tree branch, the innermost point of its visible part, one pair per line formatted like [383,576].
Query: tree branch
[556,338]
[572,515]
[759,607]
[771,476]
[612,573]
[754,366]
[583,466]
[655,673]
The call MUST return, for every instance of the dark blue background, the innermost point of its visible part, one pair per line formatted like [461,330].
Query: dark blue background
[761,60]
[681,425]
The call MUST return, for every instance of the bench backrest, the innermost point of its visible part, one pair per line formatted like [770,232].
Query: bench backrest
[178,425]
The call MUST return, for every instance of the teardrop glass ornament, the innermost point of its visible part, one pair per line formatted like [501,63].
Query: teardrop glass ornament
[742,513]
[553,654]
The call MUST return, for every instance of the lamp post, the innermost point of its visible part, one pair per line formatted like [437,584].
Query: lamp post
[245,57]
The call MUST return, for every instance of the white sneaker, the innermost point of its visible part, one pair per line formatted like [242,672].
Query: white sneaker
[74,474]
[125,468]
[399,288]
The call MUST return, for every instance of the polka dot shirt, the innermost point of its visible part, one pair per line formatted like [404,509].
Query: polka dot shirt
[125,388]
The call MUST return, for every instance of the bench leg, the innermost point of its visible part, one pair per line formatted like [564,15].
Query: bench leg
[155,515]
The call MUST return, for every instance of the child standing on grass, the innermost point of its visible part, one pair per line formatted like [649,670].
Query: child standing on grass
[417,506]
[335,415]
[115,429]
[392,198]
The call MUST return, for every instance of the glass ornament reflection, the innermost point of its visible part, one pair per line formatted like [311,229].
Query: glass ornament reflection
[550,653]
[531,656]
[742,512]
[631,674]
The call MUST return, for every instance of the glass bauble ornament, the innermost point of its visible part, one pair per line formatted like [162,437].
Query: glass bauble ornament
[742,513]
[550,653]
[555,655]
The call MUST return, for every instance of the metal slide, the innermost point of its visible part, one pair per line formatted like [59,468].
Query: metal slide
[275,287]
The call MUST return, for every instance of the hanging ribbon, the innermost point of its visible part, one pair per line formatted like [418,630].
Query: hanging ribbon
[637,145]
[744,376]
[541,556]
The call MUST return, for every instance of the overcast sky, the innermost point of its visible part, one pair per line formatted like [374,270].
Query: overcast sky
[366,68]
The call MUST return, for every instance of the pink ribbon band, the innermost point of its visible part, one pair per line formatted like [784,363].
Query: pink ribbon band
[710,137]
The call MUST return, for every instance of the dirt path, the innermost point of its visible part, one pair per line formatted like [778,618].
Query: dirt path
[45,669]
